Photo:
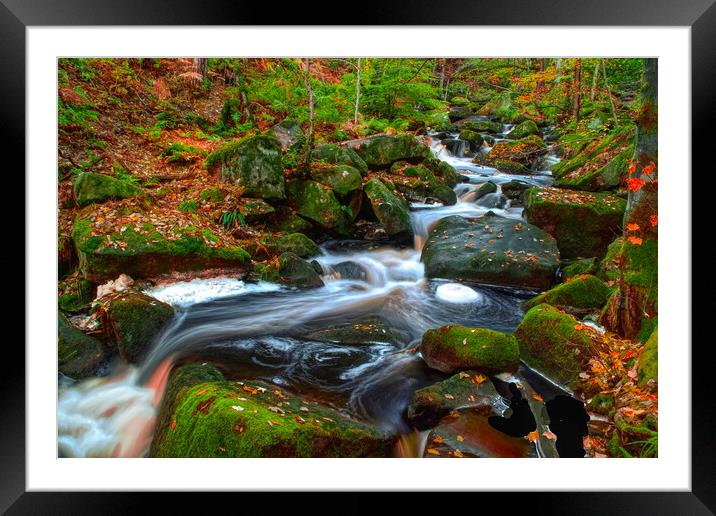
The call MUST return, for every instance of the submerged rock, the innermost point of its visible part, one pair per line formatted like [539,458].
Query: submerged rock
[584,291]
[92,188]
[299,273]
[78,355]
[454,348]
[256,419]
[468,389]
[492,250]
[582,223]
[364,331]
[135,320]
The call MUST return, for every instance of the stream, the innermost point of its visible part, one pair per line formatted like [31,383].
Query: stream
[258,330]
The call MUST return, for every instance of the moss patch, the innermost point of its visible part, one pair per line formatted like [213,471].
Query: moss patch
[584,291]
[454,348]
[92,188]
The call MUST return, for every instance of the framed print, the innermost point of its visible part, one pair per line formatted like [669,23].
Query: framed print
[318,255]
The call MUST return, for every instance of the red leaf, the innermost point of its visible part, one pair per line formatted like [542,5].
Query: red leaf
[634,184]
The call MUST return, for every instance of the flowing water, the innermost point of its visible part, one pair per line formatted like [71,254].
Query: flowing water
[258,331]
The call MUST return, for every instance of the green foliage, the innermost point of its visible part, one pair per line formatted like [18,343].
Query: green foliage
[177,152]
[76,116]
[212,194]
[189,206]
[233,218]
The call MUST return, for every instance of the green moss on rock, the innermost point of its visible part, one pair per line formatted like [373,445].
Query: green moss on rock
[79,355]
[296,243]
[135,320]
[454,348]
[492,250]
[295,272]
[362,331]
[390,210]
[577,267]
[526,128]
[228,419]
[584,291]
[318,203]
[148,253]
[92,188]
[582,223]
[382,151]
[333,153]
[342,179]
[554,343]
[649,360]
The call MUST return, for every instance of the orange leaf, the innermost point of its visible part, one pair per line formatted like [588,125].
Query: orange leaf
[433,451]
[549,435]
[654,219]
[632,227]
[532,436]
[632,167]
[635,240]
[201,392]
[649,169]
[537,397]
[634,184]
[173,425]
[438,439]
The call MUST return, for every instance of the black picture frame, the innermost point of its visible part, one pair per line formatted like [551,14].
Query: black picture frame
[700,15]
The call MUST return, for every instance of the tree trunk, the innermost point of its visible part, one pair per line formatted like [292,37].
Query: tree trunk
[642,203]
[201,66]
[577,88]
[355,114]
[306,165]
[609,93]
[595,78]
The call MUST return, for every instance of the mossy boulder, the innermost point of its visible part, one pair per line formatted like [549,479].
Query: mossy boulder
[508,166]
[334,153]
[649,360]
[92,188]
[583,223]
[363,331]
[454,348]
[524,151]
[286,220]
[382,151]
[459,112]
[473,138]
[74,295]
[514,189]
[485,189]
[579,267]
[296,272]
[442,170]
[256,419]
[632,308]
[418,183]
[554,343]
[596,165]
[318,203]
[492,250]
[468,389]
[459,101]
[254,163]
[500,106]
[390,210]
[78,355]
[296,243]
[147,252]
[135,320]
[342,179]
[582,292]
[523,129]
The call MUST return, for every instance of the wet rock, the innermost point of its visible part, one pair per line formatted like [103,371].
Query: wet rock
[584,291]
[442,170]
[256,419]
[468,389]
[479,125]
[492,250]
[349,270]
[583,223]
[296,243]
[390,210]
[485,189]
[296,272]
[363,331]
[513,189]
[90,188]
[454,348]
[418,183]
[78,355]
[135,320]
[459,112]
[523,152]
